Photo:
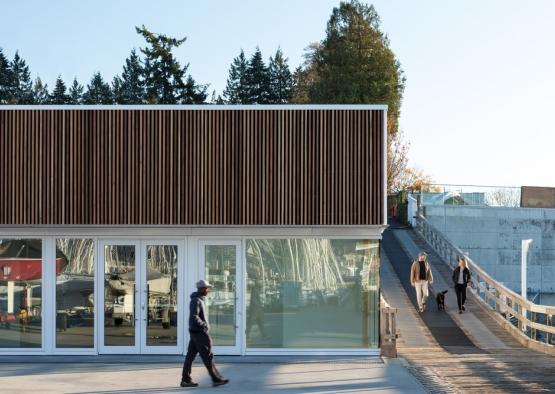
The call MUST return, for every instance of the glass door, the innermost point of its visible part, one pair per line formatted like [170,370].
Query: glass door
[140,294]
[118,295]
[161,312]
[221,265]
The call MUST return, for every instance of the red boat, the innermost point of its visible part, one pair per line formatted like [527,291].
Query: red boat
[21,260]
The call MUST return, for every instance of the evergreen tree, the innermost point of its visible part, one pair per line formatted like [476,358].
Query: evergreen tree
[354,64]
[5,78]
[98,91]
[258,81]
[40,92]
[130,87]
[166,82]
[59,95]
[216,99]
[236,91]
[21,91]
[117,90]
[76,92]
[281,79]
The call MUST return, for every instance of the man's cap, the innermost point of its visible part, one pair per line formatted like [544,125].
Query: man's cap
[203,283]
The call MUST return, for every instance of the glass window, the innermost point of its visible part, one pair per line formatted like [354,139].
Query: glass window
[74,293]
[220,272]
[119,295]
[161,271]
[312,293]
[20,293]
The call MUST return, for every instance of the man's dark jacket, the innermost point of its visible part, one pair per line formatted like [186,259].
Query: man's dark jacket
[197,314]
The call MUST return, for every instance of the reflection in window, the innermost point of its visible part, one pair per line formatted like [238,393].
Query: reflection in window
[21,293]
[312,293]
[220,272]
[161,273]
[75,293]
[119,295]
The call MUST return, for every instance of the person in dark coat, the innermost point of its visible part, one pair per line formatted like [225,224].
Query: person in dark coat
[461,277]
[200,341]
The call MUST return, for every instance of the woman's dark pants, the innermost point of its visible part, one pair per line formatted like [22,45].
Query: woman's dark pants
[461,295]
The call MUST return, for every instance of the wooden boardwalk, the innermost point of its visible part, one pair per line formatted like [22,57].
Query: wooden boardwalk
[504,366]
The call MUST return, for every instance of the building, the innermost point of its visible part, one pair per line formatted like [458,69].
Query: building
[110,214]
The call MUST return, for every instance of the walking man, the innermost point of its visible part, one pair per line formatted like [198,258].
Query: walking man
[200,341]
[420,277]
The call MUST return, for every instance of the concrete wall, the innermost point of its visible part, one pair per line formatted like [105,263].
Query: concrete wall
[492,237]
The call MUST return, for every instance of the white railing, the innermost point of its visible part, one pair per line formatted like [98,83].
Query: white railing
[531,323]
[388,329]
[412,210]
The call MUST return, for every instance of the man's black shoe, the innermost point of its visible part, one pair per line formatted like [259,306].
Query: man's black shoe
[188,384]
[216,383]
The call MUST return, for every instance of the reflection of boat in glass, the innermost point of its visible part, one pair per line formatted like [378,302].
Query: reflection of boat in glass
[21,261]
[124,282]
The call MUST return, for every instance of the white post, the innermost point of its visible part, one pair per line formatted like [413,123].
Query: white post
[11,291]
[523,267]
[525,246]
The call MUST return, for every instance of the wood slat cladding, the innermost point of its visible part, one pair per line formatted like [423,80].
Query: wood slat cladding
[191,166]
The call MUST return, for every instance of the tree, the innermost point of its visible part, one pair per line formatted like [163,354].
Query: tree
[257,79]
[130,87]
[216,99]
[281,79]
[21,86]
[305,76]
[399,175]
[98,91]
[166,81]
[40,92]
[236,91]
[5,78]
[354,64]
[59,95]
[76,92]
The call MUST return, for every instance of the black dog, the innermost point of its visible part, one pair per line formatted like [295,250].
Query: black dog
[440,299]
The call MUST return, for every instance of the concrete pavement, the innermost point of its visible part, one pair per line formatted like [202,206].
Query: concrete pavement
[341,375]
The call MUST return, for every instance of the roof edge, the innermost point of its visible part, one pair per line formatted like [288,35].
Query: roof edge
[198,107]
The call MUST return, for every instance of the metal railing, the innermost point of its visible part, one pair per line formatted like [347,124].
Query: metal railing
[473,195]
[388,329]
[530,323]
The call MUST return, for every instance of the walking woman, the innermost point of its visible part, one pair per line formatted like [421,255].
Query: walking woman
[461,277]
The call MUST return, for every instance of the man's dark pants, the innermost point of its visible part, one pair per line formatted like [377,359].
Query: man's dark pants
[200,342]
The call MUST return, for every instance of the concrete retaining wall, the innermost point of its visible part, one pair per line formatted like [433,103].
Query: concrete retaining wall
[492,237]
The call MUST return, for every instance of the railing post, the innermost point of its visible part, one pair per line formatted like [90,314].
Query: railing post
[549,323]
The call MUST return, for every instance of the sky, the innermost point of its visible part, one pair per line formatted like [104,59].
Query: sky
[479,101]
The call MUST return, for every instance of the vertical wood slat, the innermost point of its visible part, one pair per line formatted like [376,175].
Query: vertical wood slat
[197,167]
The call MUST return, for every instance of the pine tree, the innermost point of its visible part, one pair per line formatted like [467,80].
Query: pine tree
[130,87]
[59,95]
[117,90]
[216,99]
[21,91]
[5,78]
[166,81]
[258,81]
[281,79]
[76,92]
[98,91]
[354,63]
[236,91]
[40,92]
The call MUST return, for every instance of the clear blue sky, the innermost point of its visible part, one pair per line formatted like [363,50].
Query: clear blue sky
[480,95]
